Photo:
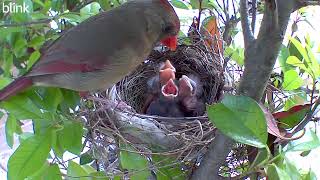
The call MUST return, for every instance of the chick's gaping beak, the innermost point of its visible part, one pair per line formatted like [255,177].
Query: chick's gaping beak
[170,89]
[170,42]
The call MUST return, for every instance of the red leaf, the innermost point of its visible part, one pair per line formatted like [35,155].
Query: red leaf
[271,123]
[294,109]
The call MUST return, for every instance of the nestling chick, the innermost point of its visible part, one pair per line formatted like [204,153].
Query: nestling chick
[155,83]
[190,95]
[166,104]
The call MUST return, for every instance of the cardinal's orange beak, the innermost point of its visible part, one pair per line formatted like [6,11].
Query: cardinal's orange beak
[170,42]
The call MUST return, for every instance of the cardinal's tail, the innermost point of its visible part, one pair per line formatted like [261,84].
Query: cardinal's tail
[15,87]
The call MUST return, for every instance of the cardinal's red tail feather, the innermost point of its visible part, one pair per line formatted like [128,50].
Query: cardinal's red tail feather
[15,87]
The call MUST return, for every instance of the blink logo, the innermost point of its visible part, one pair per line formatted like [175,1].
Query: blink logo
[12,7]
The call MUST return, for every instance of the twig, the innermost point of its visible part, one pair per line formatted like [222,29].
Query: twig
[42,21]
[247,33]
[254,15]
[199,15]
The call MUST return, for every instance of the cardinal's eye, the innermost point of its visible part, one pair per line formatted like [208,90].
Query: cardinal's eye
[168,29]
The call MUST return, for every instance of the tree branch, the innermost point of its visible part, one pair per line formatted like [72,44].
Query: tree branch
[303,3]
[254,15]
[214,158]
[247,33]
[42,21]
[260,56]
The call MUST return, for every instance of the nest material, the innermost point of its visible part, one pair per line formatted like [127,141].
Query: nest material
[114,115]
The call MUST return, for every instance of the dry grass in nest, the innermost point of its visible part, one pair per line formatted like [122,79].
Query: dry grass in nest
[114,115]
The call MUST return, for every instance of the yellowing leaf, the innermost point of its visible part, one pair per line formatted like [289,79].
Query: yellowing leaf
[211,31]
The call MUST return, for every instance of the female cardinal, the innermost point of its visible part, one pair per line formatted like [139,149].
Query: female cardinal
[101,50]
[191,95]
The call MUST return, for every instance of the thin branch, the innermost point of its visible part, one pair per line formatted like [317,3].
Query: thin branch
[234,8]
[42,21]
[199,15]
[304,3]
[247,33]
[254,15]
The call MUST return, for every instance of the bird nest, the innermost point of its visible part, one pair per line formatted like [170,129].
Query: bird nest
[115,117]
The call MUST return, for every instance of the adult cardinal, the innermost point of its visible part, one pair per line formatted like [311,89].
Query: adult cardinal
[103,49]
[191,95]
[166,104]
[155,83]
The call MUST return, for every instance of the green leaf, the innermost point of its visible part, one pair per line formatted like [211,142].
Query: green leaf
[89,10]
[309,141]
[292,80]
[39,173]
[39,16]
[70,100]
[293,117]
[76,172]
[7,62]
[70,137]
[20,47]
[309,60]
[86,158]
[105,4]
[89,169]
[98,176]
[24,136]
[53,173]
[284,54]
[240,118]
[275,173]
[29,157]
[314,64]
[205,4]
[179,4]
[72,17]
[33,58]
[236,54]
[291,169]
[52,98]
[168,168]
[56,5]
[134,162]
[298,98]
[293,60]
[12,126]
[5,32]
[309,176]
[37,42]
[293,51]
[4,81]
[262,157]
[22,108]
[300,48]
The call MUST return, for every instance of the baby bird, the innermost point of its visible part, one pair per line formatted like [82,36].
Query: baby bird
[155,83]
[166,104]
[190,96]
